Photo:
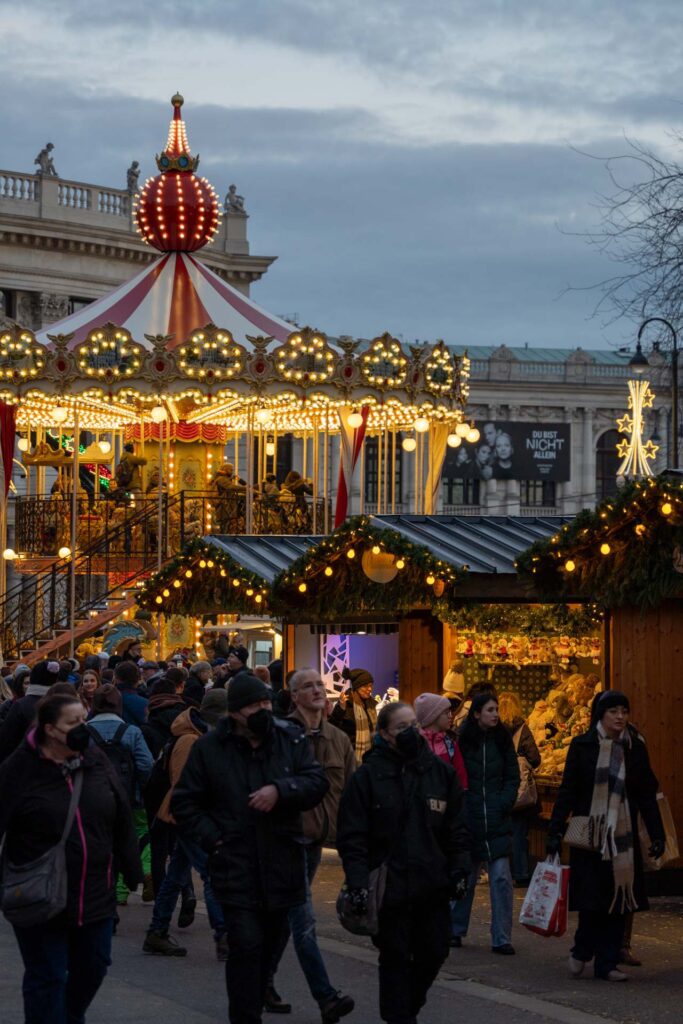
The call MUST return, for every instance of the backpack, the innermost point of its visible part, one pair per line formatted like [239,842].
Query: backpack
[159,781]
[120,758]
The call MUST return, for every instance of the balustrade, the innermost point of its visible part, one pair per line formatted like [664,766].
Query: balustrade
[24,187]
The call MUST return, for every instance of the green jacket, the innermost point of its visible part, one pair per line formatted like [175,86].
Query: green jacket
[493,781]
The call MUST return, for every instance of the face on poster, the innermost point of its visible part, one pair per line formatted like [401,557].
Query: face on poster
[513,451]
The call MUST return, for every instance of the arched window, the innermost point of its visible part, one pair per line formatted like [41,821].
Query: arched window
[606,464]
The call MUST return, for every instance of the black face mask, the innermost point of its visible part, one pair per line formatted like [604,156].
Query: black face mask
[258,723]
[408,742]
[78,738]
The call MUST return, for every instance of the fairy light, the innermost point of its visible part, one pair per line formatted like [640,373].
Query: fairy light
[302,588]
[570,565]
[328,570]
[605,549]
[384,365]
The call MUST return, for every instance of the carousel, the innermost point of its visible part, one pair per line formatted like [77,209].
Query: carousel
[176,407]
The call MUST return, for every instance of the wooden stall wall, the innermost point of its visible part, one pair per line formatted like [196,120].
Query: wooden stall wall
[420,655]
[646,650]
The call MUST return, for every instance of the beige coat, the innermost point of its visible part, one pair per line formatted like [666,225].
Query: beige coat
[184,728]
[334,753]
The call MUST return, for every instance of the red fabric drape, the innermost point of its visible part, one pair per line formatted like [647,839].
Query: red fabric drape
[351,444]
[8,431]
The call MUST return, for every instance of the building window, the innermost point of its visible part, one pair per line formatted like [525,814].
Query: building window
[76,304]
[6,303]
[459,491]
[606,464]
[537,493]
[371,448]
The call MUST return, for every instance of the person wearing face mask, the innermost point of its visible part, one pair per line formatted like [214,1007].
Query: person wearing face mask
[493,781]
[403,808]
[607,776]
[240,796]
[66,958]
[355,711]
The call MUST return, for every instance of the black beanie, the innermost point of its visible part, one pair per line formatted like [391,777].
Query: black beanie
[246,688]
[44,673]
[611,699]
[240,652]
[358,677]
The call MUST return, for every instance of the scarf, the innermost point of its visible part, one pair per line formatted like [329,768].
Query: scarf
[365,719]
[610,818]
[440,744]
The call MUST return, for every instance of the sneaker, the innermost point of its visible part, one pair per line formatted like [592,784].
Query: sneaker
[161,944]
[336,1008]
[505,950]
[187,909]
[222,949]
[148,890]
[273,1004]
[456,942]
[616,976]
[575,966]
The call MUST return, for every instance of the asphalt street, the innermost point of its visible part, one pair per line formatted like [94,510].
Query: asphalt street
[473,986]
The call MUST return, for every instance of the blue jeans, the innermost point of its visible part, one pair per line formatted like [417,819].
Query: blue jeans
[500,887]
[64,966]
[186,855]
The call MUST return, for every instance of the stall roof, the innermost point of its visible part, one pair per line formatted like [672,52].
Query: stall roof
[487,544]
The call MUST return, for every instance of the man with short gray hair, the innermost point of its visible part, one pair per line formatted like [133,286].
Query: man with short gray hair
[333,751]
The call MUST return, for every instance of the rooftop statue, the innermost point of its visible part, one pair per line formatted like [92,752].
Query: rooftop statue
[132,175]
[233,202]
[44,160]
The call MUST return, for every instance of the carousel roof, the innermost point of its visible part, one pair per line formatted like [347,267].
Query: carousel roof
[173,296]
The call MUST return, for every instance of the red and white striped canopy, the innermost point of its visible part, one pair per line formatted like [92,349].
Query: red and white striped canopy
[175,295]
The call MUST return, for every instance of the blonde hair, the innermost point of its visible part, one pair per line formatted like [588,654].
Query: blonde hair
[509,707]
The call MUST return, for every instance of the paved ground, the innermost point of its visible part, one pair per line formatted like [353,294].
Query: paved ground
[474,986]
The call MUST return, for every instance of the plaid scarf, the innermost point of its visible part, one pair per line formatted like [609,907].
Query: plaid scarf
[365,720]
[610,818]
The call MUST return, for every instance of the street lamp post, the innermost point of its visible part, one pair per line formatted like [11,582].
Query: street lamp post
[639,363]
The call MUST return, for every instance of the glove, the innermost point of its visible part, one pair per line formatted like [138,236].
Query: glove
[657,849]
[553,846]
[358,898]
[457,887]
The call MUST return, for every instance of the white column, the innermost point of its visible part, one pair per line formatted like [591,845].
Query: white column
[587,456]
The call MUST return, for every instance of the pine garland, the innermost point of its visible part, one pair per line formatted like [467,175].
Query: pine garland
[546,620]
[625,552]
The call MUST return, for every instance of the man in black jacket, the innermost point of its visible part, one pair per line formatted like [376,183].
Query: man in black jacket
[23,710]
[402,809]
[240,796]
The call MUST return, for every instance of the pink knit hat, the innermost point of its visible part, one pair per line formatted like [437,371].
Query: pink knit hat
[428,707]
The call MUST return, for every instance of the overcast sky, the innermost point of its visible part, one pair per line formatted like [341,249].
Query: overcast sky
[413,166]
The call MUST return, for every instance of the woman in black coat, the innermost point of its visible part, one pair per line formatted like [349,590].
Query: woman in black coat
[66,958]
[628,783]
[403,807]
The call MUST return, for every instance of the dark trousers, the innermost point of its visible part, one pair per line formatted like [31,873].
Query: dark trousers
[64,967]
[413,943]
[162,840]
[599,935]
[253,937]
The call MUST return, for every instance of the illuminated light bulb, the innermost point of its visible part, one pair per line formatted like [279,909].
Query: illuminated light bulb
[105,447]
[60,414]
[328,570]
[639,529]
[462,429]
[302,588]
[64,552]
[250,591]
[202,564]
[188,574]
[570,565]
[177,583]
[355,420]
[210,564]
[262,416]
[158,414]
[270,448]
[23,444]
[431,579]
[453,440]
[667,508]
[472,435]
[258,599]
[159,599]
[167,593]
[421,424]
[376,549]
[400,563]
[223,572]
[351,553]
[409,444]
[605,549]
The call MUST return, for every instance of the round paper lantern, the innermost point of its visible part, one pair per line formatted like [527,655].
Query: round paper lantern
[379,568]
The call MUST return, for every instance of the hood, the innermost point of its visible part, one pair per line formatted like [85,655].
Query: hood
[189,723]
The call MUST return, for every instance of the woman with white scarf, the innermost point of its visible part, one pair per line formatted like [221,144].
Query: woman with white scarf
[608,780]
[355,713]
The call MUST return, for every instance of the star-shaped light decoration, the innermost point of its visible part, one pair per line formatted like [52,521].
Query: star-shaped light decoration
[636,455]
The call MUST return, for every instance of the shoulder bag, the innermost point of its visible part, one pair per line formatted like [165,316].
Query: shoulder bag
[527,794]
[34,893]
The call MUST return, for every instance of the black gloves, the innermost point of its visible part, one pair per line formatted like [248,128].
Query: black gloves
[553,845]
[657,848]
[358,898]
[457,886]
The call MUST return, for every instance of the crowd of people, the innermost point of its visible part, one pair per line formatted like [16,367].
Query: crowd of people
[242,778]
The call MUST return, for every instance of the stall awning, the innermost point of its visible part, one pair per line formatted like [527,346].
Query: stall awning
[266,556]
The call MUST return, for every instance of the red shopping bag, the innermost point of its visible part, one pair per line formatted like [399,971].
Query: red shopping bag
[544,909]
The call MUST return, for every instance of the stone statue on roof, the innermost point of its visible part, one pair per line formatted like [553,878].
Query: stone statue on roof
[132,175]
[46,167]
[233,202]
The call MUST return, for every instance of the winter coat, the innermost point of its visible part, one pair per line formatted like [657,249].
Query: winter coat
[186,729]
[344,717]
[162,711]
[260,862]
[445,746]
[19,717]
[107,724]
[591,882]
[493,782]
[134,707]
[33,811]
[335,755]
[407,813]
